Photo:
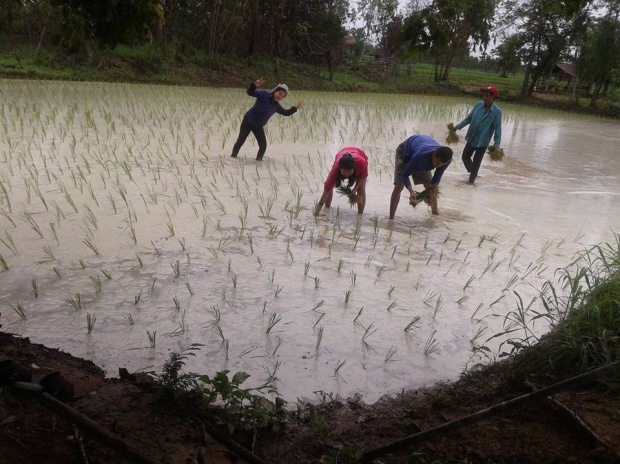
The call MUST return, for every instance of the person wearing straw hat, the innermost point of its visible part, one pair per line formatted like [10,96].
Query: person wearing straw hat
[267,104]
[417,157]
[351,163]
[485,121]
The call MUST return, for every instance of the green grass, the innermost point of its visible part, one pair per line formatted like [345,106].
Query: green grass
[586,332]
[156,64]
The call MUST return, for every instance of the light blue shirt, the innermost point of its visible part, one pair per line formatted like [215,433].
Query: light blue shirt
[482,125]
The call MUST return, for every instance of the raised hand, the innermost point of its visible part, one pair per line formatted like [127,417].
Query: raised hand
[259,82]
[299,105]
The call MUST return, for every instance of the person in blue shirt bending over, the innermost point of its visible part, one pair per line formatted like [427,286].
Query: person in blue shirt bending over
[267,104]
[485,120]
[417,157]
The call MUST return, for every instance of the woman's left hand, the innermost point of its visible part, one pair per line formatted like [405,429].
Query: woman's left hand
[299,105]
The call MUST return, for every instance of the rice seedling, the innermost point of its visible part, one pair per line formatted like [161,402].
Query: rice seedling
[432,345]
[469,282]
[89,243]
[274,318]
[368,331]
[391,290]
[393,250]
[496,154]
[278,290]
[107,274]
[96,283]
[54,269]
[176,268]
[75,301]
[391,306]
[426,196]
[414,324]
[9,243]
[389,356]
[339,365]
[452,136]
[321,316]
[480,306]
[152,336]
[6,213]
[20,311]
[347,296]
[479,333]
[357,316]
[6,196]
[82,263]
[437,307]
[462,300]
[90,216]
[430,296]
[317,282]
[129,318]
[33,224]
[54,233]
[319,337]
[90,323]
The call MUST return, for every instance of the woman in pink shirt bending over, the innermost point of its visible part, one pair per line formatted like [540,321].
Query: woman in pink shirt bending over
[351,163]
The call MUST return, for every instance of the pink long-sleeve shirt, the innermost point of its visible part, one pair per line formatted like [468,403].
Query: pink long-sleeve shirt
[361,166]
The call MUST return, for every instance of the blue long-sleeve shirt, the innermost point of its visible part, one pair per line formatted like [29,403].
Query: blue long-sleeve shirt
[418,157]
[482,125]
[264,107]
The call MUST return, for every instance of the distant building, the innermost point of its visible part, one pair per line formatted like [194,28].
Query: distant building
[562,78]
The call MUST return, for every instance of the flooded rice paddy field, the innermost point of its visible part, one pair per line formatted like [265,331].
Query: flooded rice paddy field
[127,232]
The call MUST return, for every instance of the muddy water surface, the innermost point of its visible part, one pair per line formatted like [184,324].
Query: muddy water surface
[128,233]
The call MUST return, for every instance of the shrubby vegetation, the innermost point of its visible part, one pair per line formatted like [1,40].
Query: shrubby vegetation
[372,38]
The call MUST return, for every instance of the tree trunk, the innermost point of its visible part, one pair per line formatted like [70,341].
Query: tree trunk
[526,79]
[330,65]
[595,95]
[449,62]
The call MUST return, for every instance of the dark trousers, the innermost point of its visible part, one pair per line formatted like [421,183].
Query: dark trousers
[244,131]
[472,166]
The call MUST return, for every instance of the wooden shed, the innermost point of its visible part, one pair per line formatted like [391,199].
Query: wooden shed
[561,79]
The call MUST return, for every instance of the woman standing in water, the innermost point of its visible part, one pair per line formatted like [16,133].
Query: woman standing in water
[267,104]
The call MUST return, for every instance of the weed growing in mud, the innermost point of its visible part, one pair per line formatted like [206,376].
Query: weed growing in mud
[223,397]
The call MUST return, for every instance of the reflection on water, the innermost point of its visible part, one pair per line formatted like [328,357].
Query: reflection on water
[120,202]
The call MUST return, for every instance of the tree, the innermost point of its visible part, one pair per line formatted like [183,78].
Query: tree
[601,54]
[467,22]
[108,22]
[424,32]
[509,54]
[545,28]
[321,33]
[376,16]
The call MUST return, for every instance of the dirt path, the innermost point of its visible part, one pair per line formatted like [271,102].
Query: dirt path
[331,432]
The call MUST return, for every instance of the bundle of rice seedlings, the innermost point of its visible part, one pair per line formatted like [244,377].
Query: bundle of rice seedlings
[452,138]
[496,154]
[353,198]
[344,190]
[426,196]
